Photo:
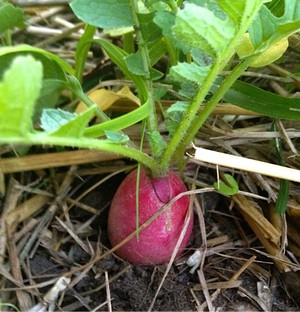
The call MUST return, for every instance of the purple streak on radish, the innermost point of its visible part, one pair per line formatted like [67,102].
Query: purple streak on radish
[156,242]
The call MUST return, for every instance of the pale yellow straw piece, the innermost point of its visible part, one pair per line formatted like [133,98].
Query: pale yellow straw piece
[242,163]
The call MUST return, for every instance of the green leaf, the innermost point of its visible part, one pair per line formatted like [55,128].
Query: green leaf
[276,7]
[188,89]
[166,20]
[266,103]
[43,54]
[135,65]
[212,5]
[151,32]
[174,116]
[157,143]
[10,17]
[119,123]
[52,119]
[239,12]
[51,69]
[75,127]
[208,33]
[106,14]
[157,50]
[116,137]
[189,72]
[268,56]
[155,74]
[267,28]
[283,196]
[49,95]
[201,58]
[19,90]
[227,187]
[118,55]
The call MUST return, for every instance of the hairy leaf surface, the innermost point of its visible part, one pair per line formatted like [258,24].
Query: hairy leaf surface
[19,90]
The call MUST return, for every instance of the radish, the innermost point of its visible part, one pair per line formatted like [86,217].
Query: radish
[157,241]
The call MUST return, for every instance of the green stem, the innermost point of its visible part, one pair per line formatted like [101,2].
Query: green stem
[8,40]
[210,106]
[82,50]
[152,118]
[180,133]
[128,43]
[173,52]
[103,145]
[96,130]
[173,5]
[191,124]
[76,88]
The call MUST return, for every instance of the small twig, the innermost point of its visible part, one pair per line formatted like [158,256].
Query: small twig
[73,235]
[205,290]
[49,214]
[219,285]
[242,268]
[259,75]
[98,307]
[112,279]
[286,137]
[279,89]
[203,255]
[245,293]
[23,298]
[62,34]
[284,73]
[12,197]
[108,297]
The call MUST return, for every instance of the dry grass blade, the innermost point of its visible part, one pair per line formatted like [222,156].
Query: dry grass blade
[205,291]
[108,292]
[219,285]
[26,209]
[200,272]
[9,205]
[264,230]
[23,298]
[49,214]
[262,305]
[53,160]
[73,235]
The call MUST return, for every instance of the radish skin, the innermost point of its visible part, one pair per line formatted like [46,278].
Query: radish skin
[157,241]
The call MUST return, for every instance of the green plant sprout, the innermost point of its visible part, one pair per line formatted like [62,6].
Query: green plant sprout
[4,306]
[200,38]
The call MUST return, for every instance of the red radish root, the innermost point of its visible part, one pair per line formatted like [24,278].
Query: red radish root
[157,241]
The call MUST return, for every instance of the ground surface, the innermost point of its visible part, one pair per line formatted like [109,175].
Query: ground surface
[76,235]
[53,219]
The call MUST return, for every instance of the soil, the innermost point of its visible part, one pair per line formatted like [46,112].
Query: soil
[133,288]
